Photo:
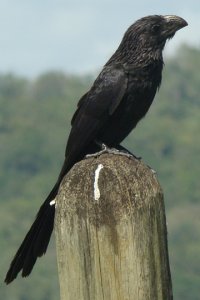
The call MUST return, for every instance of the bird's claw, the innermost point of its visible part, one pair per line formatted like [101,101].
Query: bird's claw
[106,149]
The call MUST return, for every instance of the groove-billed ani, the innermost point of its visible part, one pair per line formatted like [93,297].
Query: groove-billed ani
[120,96]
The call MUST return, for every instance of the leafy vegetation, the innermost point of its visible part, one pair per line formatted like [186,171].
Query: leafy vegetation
[34,125]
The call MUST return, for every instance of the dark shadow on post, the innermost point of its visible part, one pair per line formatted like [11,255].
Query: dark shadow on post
[111,232]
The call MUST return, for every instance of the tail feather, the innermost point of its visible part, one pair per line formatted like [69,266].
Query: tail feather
[41,243]
[36,241]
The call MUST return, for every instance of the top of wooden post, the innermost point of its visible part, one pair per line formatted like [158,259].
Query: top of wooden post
[114,183]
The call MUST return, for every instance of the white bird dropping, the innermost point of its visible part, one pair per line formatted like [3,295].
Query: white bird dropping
[96,179]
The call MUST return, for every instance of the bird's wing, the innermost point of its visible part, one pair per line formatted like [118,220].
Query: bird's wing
[95,107]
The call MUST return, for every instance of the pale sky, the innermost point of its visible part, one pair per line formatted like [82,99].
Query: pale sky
[78,35]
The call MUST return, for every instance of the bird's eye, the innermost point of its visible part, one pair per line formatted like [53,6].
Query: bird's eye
[155,28]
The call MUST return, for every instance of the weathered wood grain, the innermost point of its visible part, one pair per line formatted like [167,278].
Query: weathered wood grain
[111,232]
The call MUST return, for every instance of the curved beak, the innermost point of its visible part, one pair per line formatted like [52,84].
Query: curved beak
[173,24]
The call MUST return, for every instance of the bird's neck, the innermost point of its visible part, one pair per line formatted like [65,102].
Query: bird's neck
[135,56]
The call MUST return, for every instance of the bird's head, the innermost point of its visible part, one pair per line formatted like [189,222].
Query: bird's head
[149,35]
[155,29]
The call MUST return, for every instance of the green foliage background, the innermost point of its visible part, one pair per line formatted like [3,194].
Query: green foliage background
[34,126]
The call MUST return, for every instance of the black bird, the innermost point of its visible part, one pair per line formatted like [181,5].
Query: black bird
[120,96]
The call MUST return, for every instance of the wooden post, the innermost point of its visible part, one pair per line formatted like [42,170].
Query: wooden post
[111,232]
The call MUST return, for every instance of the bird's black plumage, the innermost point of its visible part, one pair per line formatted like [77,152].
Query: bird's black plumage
[120,96]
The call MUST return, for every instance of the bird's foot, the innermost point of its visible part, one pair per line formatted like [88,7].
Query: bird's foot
[105,149]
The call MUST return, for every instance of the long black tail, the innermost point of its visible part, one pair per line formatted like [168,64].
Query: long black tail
[36,241]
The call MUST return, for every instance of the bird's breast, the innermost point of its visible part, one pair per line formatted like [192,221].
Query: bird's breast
[132,109]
